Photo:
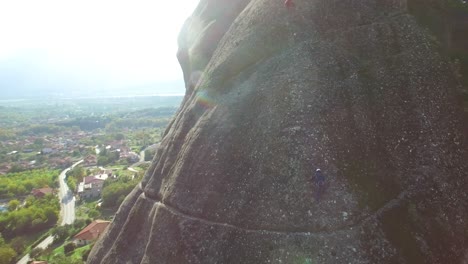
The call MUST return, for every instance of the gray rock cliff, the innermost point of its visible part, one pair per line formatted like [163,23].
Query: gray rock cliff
[357,88]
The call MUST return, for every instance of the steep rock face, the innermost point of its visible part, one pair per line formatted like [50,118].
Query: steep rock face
[356,88]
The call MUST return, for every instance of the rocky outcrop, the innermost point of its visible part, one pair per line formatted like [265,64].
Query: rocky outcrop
[356,88]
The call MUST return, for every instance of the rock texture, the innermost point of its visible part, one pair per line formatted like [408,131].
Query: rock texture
[356,88]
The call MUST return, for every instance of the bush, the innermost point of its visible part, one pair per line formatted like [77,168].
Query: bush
[7,254]
[85,255]
[35,252]
[115,191]
[79,224]
[60,233]
[93,213]
[69,248]
[13,205]
[18,244]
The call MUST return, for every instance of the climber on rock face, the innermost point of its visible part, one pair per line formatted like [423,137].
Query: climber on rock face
[288,3]
[319,181]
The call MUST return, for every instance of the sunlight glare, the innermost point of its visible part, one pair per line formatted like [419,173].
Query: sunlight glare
[125,40]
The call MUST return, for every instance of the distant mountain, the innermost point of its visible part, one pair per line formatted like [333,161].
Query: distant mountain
[14,89]
[30,76]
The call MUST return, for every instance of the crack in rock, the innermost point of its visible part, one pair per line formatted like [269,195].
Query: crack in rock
[389,205]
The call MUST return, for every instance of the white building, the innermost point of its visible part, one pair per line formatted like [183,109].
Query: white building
[91,186]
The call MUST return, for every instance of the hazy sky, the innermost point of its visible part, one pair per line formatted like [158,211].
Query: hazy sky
[90,44]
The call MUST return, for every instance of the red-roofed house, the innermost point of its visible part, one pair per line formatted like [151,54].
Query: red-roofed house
[39,193]
[92,232]
[91,186]
[90,160]
[94,179]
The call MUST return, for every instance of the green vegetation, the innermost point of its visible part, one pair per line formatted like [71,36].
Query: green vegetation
[143,167]
[107,157]
[145,118]
[35,215]
[82,252]
[24,220]
[86,123]
[87,211]
[144,138]
[68,248]
[62,233]
[21,183]
[63,250]
[115,191]
[24,243]
[35,252]
[149,154]
[72,256]
[60,259]
[6,134]
[7,253]
[33,134]
[74,176]
[40,129]
[13,205]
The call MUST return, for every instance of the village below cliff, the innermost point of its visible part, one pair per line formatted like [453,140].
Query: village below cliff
[65,167]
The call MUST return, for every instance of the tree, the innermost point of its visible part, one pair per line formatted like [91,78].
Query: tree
[78,173]
[68,248]
[71,182]
[93,213]
[38,143]
[18,244]
[102,160]
[21,183]
[79,224]
[60,233]
[16,167]
[119,136]
[36,214]
[7,254]
[149,154]
[36,252]
[74,176]
[13,205]
[51,215]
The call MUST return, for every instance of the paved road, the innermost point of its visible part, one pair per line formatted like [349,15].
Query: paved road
[67,210]
[46,242]
[67,198]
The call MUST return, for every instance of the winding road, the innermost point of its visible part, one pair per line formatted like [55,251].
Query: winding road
[67,210]
[67,199]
